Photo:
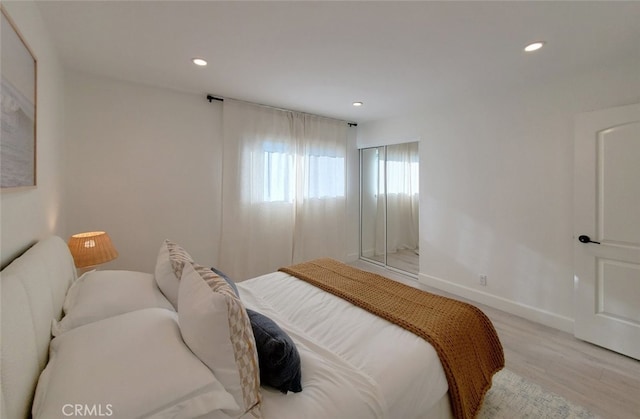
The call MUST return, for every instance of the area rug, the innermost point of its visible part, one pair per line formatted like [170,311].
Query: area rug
[512,396]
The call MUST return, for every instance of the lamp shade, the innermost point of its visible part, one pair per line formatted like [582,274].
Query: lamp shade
[91,248]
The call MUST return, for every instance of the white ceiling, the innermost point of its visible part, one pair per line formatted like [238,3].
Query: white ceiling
[319,57]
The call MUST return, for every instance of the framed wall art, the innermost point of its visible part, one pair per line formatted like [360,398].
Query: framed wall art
[18,106]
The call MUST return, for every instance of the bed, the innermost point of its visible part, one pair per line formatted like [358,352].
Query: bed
[131,344]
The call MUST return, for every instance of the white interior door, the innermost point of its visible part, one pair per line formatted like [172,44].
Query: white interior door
[607,229]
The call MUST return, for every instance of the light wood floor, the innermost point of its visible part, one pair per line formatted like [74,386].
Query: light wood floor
[603,381]
[404,259]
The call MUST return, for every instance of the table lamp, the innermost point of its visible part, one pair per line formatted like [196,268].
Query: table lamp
[91,248]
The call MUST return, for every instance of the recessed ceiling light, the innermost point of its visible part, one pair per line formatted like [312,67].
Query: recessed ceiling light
[357,104]
[199,61]
[534,46]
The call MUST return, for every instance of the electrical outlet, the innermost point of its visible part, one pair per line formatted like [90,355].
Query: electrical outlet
[483,280]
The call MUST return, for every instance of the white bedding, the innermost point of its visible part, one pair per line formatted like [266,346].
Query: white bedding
[354,364]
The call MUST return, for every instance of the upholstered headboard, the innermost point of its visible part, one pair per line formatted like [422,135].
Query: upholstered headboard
[33,291]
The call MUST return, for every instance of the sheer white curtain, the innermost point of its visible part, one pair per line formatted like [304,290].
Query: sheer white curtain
[402,173]
[283,197]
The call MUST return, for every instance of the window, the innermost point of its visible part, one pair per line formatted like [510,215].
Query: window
[325,175]
[278,173]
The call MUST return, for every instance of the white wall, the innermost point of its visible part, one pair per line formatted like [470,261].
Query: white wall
[144,164]
[28,215]
[496,177]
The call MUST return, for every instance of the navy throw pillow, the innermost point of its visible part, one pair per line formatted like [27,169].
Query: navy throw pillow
[277,354]
[226,278]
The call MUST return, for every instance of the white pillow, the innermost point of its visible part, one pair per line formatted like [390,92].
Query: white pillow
[171,259]
[97,295]
[130,366]
[216,327]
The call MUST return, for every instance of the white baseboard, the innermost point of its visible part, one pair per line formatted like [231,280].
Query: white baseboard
[534,314]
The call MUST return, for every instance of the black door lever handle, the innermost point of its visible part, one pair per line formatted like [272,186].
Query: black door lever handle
[586,239]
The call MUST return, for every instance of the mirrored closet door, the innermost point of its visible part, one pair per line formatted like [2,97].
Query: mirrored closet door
[389,206]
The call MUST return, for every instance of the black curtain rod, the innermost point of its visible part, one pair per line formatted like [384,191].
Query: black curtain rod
[211,98]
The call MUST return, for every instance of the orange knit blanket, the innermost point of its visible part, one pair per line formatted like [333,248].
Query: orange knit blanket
[462,335]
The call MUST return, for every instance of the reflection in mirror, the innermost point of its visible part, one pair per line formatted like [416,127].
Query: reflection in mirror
[372,204]
[403,198]
[390,205]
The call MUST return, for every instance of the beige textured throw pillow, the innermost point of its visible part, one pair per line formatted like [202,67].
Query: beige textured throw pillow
[216,327]
[171,259]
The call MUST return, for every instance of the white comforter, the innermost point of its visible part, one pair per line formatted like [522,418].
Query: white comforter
[354,364]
